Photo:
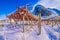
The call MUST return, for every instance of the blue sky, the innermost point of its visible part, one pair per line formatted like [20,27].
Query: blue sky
[7,6]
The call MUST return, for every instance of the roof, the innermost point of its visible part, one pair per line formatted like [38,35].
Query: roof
[21,13]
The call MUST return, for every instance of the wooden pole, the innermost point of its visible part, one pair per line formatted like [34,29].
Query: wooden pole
[10,21]
[27,20]
[52,23]
[11,24]
[39,24]
[23,24]
[30,22]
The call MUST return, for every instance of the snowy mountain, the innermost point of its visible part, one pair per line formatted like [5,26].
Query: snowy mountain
[42,9]
[56,10]
[45,12]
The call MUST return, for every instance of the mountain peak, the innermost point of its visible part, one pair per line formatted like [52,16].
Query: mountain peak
[41,9]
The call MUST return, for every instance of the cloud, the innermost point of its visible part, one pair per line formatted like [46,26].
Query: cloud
[2,17]
[49,3]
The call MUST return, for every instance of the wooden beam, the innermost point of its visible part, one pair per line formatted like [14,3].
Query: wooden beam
[27,20]
[23,23]
[39,24]
[11,25]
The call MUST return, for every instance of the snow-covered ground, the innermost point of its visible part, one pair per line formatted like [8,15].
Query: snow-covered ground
[47,33]
[53,34]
